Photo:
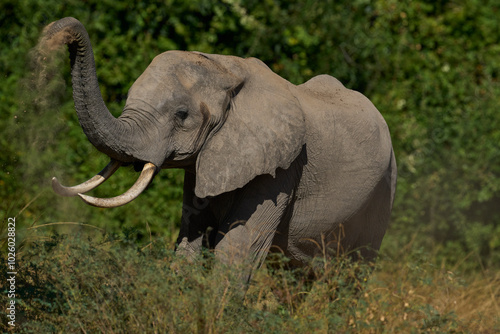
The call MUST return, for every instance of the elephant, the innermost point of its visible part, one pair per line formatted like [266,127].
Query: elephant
[306,170]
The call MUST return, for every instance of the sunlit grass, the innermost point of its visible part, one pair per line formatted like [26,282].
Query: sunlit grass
[407,296]
[93,283]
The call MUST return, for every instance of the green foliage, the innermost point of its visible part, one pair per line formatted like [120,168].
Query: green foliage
[442,84]
[431,68]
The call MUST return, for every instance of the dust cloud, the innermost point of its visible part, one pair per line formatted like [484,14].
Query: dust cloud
[44,117]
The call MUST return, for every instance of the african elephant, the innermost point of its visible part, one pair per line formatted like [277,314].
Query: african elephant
[269,166]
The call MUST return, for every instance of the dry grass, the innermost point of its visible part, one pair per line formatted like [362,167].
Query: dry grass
[71,284]
[432,298]
[399,297]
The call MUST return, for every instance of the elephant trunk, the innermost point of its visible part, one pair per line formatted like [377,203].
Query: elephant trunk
[108,134]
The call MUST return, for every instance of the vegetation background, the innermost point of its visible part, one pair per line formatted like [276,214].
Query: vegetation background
[431,67]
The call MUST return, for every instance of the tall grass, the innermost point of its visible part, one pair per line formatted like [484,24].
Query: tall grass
[93,283]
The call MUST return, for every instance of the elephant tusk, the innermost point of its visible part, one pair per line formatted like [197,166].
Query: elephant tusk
[147,174]
[88,185]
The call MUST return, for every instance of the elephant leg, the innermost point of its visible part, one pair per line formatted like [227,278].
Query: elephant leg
[188,248]
[196,221]
[246,234]
[246,244]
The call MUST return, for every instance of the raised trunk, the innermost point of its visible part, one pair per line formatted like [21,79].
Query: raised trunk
[108,134]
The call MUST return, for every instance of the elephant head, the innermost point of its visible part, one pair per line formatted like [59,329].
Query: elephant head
[225,118]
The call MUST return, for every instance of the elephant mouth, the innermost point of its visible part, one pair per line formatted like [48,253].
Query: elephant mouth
[148,172]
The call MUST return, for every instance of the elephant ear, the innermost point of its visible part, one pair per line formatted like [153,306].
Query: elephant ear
[264,130]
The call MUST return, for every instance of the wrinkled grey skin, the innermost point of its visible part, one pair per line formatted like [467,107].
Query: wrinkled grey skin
[306,170]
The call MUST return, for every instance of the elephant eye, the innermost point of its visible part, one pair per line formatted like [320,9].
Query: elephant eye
[182,114]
